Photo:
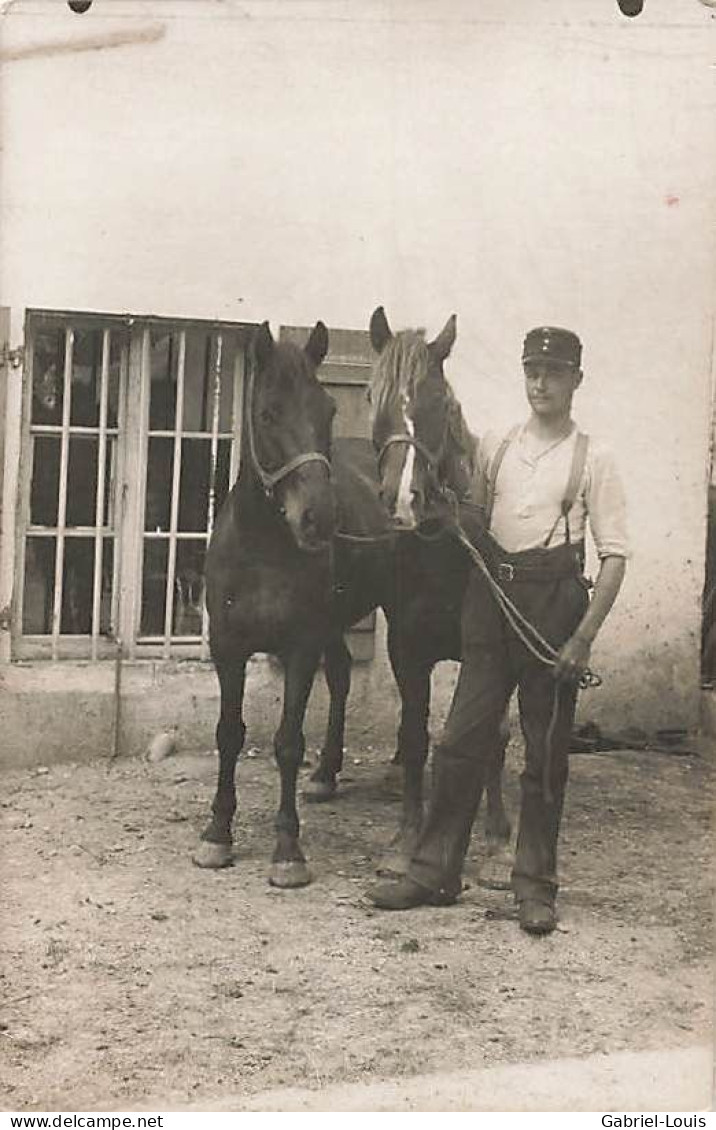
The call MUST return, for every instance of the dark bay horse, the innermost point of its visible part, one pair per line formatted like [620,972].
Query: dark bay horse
[268,577]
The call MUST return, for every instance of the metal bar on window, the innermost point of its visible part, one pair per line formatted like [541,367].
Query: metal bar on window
[135,456]
[215,419]
[26,476]
[164,433]
[101,476]
[62,501]
[77,430]
[70,531]
[117,478]
[176,483]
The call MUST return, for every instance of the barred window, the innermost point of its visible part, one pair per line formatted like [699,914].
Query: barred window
[130,444]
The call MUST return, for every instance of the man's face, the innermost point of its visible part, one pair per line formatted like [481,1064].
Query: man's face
[550,386]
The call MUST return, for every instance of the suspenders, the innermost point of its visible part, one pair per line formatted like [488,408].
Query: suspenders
[494,472]
[579,459]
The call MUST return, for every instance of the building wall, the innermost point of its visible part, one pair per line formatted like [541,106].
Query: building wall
[296,160]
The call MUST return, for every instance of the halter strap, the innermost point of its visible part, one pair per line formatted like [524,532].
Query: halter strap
[409,441]
[270,479]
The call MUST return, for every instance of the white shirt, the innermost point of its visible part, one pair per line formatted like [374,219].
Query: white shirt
[532,482]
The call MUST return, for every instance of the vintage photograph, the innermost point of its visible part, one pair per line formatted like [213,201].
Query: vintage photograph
[357,555]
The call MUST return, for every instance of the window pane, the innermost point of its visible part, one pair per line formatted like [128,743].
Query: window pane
[221,480]
[197,382]
[194,489]
[228,364]
[164,352]
[77,587]
[45,487]
[160,469]
[48,363]
[195,480]
[105,605]
[117,347]
[110,469]
[39,586]
[86,378]
[82,481]
[154,581]
[189,588]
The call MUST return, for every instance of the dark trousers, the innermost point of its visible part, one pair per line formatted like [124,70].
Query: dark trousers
[494,663]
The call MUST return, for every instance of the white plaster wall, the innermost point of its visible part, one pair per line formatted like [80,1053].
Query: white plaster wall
[542,161]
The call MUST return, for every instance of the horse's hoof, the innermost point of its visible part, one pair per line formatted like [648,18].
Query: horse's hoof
[317,791]
[213,855]
[496,871]
[289,873]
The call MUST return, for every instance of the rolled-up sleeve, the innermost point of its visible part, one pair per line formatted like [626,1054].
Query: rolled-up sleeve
[606,504]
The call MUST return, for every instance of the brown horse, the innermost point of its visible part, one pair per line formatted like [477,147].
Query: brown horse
[426,455]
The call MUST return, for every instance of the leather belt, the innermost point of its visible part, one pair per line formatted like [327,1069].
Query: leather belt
[540,564]
[506,571]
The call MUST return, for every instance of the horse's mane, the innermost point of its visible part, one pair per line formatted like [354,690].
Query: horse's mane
[463,439]
[402,365]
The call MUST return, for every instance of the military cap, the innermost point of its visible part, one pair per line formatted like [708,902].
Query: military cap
[551,343]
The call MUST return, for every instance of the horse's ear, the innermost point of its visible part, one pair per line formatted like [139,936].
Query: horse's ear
[446,339]
[263,344]
[380,331]
[317,345]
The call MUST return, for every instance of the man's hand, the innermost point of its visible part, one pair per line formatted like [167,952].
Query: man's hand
[572,660]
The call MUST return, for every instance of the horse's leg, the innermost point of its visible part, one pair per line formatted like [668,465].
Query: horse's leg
[337,668]
[215,847]
[412,674]
[497,866]
[288,868]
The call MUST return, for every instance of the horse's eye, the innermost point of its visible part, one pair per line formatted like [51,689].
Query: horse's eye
[266,417]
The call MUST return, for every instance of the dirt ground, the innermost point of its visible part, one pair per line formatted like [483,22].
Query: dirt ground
[131,978]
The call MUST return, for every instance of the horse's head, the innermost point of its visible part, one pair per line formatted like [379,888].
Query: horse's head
[424,447]
[289,430]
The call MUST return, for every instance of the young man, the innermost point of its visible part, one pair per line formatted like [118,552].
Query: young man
[541,484]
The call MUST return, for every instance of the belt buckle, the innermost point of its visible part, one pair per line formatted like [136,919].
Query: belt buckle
[506,571]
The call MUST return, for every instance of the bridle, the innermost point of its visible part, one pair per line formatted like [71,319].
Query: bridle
[270,479]
[430,460]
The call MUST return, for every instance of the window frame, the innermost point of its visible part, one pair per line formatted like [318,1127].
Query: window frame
[128,489]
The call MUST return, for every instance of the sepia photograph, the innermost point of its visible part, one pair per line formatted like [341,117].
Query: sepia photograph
[357,557]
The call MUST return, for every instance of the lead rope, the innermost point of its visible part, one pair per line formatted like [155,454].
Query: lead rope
[547,794]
